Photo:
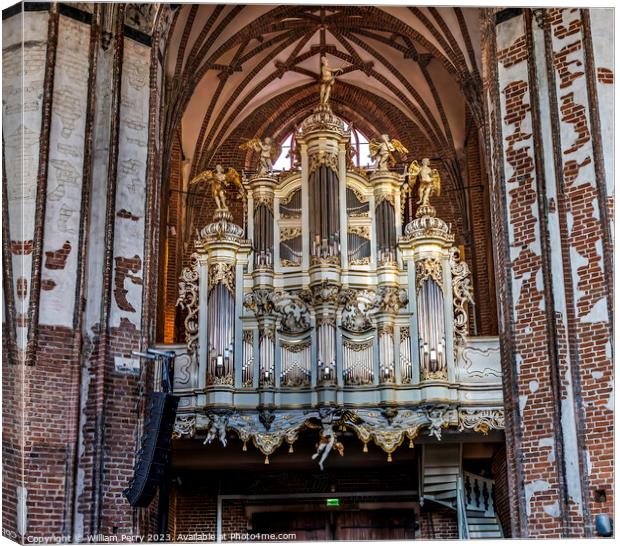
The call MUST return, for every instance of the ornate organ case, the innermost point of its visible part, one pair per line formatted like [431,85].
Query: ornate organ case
[327,301]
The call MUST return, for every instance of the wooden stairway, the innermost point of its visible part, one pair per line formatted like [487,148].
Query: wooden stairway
[441,478]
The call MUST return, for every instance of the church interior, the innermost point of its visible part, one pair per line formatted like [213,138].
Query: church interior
[311,272]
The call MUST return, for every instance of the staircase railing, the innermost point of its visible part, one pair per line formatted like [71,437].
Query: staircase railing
[479,493]
[461,510]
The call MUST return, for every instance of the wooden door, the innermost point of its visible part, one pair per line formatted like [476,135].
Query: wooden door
[306,526]
[375,525]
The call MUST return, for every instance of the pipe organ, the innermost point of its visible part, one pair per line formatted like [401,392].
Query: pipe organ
[340,292]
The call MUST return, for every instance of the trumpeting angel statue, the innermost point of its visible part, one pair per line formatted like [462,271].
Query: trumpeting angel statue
[220,182]
[429,181]
[269,151]
[381,151]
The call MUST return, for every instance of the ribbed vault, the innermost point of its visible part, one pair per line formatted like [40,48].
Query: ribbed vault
[225,61]
[235,72]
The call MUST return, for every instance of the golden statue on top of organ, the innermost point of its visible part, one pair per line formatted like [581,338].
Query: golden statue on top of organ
[330,299]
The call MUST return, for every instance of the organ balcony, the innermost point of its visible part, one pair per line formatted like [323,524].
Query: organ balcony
[329,306]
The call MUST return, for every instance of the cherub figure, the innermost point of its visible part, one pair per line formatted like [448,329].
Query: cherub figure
[220,182]
[269,151]
[327,440]
[328,77]
[217,429]
[381,151]
[430,182]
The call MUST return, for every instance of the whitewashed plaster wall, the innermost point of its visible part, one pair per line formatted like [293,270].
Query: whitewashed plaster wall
[65,172]
[24,46]
[131,185]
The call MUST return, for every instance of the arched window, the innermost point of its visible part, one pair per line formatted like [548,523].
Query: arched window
[358,141]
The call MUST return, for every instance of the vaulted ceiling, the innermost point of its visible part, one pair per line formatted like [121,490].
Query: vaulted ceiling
[223,62]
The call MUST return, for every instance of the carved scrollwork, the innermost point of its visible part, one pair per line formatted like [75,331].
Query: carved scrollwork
[384,196]
[323,158]
[428,268]
[221,380]
[360,231]
[462,292]
[263,198]
[184,427]
[288,233]
[222,273]
[360,196]
[357,346]
[188,300]
[296,347]
[390,299]
[481,420]
[292,311]
[360,261]
[324,293]
[359,306]
[328,260]
[434,375]
[259,302]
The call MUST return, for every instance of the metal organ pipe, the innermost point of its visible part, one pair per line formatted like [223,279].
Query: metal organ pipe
[431,327]
[221,331]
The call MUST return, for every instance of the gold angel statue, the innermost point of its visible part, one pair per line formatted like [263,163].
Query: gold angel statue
[328,78]
[220,182]
[269,151]
[381,151]
[430,182]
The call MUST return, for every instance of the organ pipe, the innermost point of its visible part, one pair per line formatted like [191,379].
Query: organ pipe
[221,332]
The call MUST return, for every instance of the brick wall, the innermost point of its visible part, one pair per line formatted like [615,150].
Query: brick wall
[439,524]
[552,257]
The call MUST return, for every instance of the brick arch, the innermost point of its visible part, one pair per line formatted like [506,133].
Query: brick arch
[371,114]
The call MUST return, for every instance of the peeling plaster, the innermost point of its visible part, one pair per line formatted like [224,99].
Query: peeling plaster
[552,509]
[569,221]
[532,488]
[522,402]
[548,442]
[571,462]
[597,313]
[577,261]
[533,386]
[597,375]
[518,361]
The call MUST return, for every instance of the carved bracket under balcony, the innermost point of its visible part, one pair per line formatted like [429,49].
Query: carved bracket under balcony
[386,428]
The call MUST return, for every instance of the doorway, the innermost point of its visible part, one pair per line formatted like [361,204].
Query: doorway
[347,524]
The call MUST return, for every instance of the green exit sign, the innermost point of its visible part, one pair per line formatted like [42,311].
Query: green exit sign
[333,502]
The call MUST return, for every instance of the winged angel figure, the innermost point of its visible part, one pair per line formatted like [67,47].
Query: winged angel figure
[430,182]
[381,151]
[220,182]
[269,151]
[330,418]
